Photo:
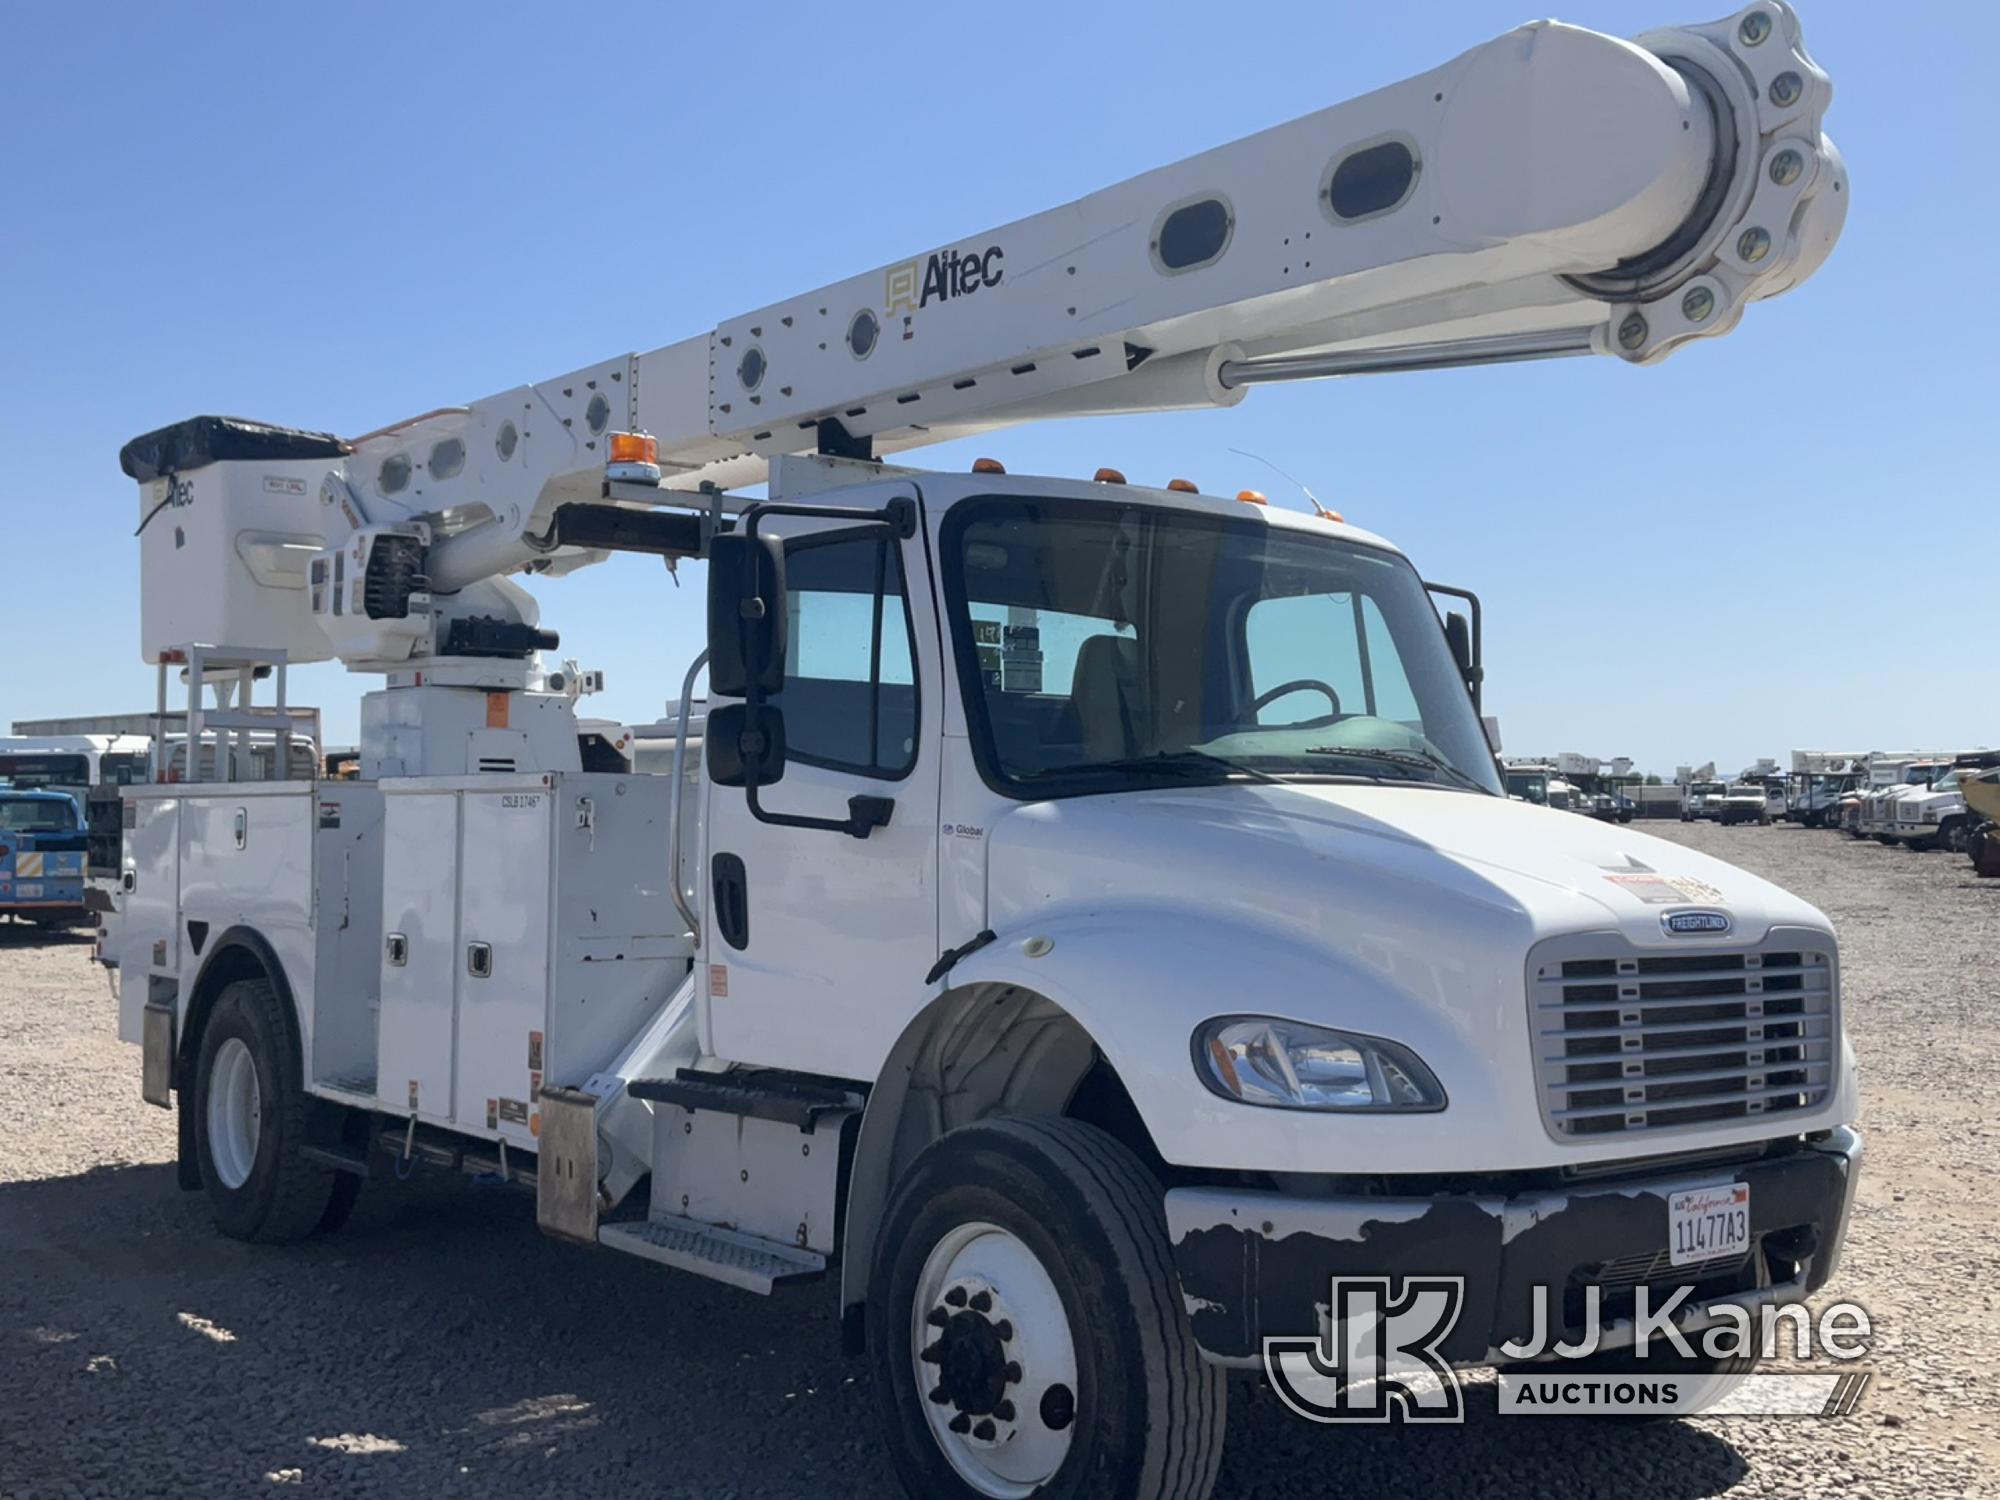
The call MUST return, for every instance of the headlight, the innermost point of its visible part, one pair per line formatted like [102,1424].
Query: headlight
[1290,1065]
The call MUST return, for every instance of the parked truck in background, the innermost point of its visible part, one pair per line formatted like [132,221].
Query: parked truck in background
[1703,799]
[1981,790]
[41,857]
[1096,921]
[1818,781]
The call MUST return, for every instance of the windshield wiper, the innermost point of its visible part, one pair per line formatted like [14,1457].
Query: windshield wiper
[1423,759]
[1184,763]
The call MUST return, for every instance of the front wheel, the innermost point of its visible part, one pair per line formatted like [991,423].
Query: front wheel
[1026,1329]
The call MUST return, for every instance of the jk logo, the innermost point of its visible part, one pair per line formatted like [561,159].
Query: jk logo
[1376,1359]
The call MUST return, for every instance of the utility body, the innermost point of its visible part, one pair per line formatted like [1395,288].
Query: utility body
[1093,918]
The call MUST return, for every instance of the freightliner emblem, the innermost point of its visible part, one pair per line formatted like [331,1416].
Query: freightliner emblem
[1690,923]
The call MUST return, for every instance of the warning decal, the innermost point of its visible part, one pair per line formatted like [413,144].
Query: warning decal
[1665,890]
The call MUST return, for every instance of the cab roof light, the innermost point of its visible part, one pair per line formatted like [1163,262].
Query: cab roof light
[1108,476]
[988,466]
[1182,487]
[1252,497]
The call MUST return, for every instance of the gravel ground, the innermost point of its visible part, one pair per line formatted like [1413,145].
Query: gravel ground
[439,1346]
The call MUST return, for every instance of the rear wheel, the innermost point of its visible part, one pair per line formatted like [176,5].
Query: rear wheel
[249,1122]
[1026,1329]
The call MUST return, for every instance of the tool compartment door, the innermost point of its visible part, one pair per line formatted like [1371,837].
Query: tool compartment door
[147,930]
[420,953]
[505,892]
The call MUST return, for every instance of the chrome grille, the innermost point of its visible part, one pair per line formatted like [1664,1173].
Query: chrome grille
[1650,1266]
[1631,1041]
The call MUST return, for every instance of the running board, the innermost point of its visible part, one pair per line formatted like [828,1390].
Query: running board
[778,1097]
[719,1254]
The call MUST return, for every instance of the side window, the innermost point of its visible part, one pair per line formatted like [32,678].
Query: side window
[850,694]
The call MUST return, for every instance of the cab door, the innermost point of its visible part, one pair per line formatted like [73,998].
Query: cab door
[815,942]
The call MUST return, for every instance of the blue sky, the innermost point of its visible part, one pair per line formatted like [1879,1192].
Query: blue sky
[336,219]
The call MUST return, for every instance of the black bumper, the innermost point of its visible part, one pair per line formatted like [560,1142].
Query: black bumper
[1254,1265]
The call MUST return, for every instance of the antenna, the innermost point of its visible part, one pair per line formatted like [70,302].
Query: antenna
[1319,510]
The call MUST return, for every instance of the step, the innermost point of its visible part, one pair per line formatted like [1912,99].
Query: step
[339,1158]
[788,1101]
[719,1254]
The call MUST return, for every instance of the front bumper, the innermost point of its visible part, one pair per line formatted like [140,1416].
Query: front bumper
[1256,1264]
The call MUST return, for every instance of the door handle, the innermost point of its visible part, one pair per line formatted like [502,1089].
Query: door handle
[479,960]
[732,899]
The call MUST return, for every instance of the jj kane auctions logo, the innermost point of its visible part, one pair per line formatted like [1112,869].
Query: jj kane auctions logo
[947,274]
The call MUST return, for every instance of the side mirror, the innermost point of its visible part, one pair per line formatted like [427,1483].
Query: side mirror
[746,617]
[1458,633]
[745,744]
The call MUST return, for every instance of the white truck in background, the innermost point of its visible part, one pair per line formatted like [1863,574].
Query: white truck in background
[1080,977]
[1703,799]
[1890,776]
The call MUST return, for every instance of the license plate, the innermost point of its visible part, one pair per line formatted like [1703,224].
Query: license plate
[1708,1223]
[29,890]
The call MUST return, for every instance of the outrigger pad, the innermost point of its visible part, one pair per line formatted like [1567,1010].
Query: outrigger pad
[206,440]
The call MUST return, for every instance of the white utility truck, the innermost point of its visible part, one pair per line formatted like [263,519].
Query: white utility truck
[1933,816]
[1097,920]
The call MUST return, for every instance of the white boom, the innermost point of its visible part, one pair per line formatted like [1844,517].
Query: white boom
[1552,192]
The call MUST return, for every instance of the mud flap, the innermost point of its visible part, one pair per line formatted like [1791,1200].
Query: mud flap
[566,1194]
[156,1077]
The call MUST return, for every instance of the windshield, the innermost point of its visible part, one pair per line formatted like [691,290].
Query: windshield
[44,769]
[1531,786]
[1105,646]
[36,815]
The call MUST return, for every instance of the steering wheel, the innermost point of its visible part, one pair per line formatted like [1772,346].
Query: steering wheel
[1298,685]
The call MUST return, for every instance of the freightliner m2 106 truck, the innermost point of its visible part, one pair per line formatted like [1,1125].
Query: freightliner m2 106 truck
[1096,920]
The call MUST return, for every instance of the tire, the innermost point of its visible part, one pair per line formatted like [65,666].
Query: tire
[1071,1226]
[259,1186]
[346,1192]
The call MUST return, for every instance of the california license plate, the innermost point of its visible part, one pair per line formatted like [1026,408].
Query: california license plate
[1708,1223]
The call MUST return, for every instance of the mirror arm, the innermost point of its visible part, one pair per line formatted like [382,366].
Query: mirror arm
[1475,670]
[864,815]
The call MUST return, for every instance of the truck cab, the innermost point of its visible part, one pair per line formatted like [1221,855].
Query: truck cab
[1529,783]
[1878,818]
[1931,816]
[1703,799]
